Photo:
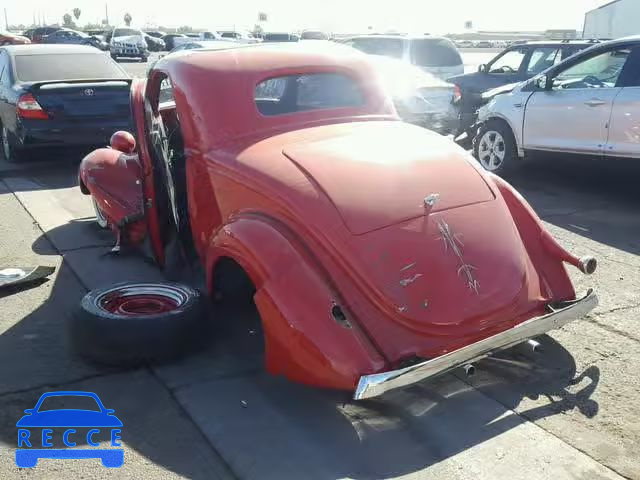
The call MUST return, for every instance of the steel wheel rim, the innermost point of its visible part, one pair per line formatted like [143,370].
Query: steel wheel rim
[143,299]
[491,150]
[100,218]
[6,148]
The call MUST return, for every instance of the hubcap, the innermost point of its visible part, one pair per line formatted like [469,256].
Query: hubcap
[491,150]
[101,220]
[6,148]
[142,299]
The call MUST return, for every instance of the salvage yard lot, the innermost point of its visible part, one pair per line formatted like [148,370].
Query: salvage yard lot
[574,412]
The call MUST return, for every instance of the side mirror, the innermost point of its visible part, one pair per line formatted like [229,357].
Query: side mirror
[542,82]
[123,141]
[482,68]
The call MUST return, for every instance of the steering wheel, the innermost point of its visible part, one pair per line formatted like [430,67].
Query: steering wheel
[505,69]
[593,80]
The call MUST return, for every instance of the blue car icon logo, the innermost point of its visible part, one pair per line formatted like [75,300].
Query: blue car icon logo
[68,419]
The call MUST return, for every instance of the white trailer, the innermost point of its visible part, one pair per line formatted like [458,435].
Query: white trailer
[613,20]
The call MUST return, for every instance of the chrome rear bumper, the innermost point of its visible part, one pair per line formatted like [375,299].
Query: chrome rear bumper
[560,314]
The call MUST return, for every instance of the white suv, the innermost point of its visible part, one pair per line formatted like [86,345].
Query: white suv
[436,55]
[588,104]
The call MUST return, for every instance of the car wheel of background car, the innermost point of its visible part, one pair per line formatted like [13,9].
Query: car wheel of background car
[101,220]
[130,324]
[144,59]
[9,151]
[495,148]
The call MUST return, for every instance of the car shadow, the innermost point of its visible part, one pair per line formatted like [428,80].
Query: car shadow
[50,169]
[594,199]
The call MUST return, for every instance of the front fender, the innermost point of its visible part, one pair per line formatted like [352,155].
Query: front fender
[295,298]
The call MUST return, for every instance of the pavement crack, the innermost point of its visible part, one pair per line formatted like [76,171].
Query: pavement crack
[82,378]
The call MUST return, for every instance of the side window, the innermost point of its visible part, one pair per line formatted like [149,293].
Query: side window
[4,70]
[508,62]
[297,93]
[541,59]
[598,71]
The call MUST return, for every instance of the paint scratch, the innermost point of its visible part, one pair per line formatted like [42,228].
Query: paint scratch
[410,280]
[407,267]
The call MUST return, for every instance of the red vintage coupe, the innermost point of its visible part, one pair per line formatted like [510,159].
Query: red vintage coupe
[380,253]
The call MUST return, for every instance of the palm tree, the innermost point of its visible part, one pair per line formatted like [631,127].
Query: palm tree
[127,19]
[76,13]
[66,18]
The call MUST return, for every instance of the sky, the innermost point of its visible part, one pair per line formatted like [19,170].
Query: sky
[433,16]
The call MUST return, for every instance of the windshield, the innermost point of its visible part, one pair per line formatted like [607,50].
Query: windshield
[125,32]
[388,47]
[80,66]
[434,53]
[67,402]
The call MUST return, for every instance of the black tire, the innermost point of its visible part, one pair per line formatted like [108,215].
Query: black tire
[10,151]
[144,59]
[494,139]
[109,328]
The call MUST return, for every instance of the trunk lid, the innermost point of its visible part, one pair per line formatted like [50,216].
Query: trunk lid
[85,100]
[397,166]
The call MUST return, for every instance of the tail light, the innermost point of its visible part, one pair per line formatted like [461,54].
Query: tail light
[457,94]
[28,107]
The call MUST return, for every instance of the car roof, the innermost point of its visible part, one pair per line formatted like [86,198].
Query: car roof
[401,37]
[46,49]
[262,57]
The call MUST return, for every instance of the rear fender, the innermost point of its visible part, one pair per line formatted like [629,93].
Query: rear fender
[546,254]
[295,299]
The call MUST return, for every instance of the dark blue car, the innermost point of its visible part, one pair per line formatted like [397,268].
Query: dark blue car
[60,95]
[45,417]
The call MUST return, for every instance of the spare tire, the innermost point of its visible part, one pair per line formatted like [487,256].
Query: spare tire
[129,324]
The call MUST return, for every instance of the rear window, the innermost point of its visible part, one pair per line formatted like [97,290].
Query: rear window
[388,47]
[81,66]
[298,93]
[434,53]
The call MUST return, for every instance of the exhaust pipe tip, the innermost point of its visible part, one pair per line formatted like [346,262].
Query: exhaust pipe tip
[534,346]
[469,370]
[588,264]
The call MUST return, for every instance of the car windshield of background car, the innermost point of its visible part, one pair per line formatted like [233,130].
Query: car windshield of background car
[600,71]
[434,53]
[388,47]
[509,62]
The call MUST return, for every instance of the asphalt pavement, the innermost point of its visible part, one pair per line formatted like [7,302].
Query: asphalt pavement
[571,412]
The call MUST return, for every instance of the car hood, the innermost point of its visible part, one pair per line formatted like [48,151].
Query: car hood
[396,166]
[69,418]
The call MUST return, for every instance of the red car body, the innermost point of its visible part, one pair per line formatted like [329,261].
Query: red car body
[7,38]
[375,247]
